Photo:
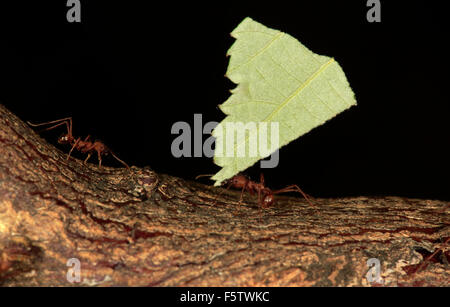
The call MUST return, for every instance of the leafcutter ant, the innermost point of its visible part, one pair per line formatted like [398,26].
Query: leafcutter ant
[85,146]
[265,195]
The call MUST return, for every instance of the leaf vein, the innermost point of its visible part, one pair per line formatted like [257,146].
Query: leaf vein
[299,89]
[275,38]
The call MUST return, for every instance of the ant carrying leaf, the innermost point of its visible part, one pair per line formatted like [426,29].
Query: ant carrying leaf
[265,195]
[85,146]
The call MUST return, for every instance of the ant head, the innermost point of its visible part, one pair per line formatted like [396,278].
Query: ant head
[64,139]
[238,179]
[235,180]
[267,200]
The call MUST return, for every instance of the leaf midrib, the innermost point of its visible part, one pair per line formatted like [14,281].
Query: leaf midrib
[294,94]
[273,40]
[299,89]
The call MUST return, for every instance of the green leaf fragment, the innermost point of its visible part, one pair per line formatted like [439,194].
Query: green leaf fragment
[278,81]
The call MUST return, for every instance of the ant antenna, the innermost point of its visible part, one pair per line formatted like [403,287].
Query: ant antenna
[117,158]
[58,122]
[210,175]
[204,175]
[48,123]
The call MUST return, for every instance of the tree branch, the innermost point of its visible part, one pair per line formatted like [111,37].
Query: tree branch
[135,227]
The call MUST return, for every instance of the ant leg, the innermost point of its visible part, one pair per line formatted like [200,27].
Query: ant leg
[70,125]
[242,193]
[74,145]
[260,200]
[87,138]
[259,197]
[99,158]
[87,158]
[264,192]
[424,263]
[294,188]
[261,181]
[229,185]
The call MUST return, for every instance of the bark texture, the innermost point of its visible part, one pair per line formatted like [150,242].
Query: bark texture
[133,227]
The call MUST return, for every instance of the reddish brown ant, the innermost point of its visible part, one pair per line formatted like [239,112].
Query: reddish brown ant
[428,259]
[265,195]
[85,146]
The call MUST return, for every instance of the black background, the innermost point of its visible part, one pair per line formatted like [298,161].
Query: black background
[129,71]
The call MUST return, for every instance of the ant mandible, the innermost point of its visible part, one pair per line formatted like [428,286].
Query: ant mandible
[85,146]
[265,195]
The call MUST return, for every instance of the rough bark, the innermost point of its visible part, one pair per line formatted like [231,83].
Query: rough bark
[138,228]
